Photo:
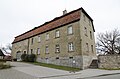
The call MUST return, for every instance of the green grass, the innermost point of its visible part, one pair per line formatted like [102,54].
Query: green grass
[57,66]
[110,68]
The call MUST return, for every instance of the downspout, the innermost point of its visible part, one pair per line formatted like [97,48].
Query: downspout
[28,46]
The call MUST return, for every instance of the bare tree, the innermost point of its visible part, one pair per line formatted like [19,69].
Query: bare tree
[109,42]
[9,46]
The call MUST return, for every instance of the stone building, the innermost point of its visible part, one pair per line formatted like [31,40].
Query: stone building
[63,41]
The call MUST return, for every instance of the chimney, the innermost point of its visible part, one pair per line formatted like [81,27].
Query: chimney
[64,12]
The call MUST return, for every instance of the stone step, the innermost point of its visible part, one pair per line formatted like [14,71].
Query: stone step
[94,64]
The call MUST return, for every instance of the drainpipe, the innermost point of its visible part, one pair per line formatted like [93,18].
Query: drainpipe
[28,46]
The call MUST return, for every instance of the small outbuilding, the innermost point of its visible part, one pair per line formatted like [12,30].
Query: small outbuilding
[1,54]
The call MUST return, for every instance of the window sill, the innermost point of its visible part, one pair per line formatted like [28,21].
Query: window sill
[69,34]
[71,51]
[57,52]
[57,37]
[46,53]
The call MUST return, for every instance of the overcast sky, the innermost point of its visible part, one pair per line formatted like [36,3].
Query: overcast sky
[19,16]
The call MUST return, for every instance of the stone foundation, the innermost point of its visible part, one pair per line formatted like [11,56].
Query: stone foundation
[81,62]
[63,61]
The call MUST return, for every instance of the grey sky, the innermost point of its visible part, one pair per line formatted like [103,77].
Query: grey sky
[19,16]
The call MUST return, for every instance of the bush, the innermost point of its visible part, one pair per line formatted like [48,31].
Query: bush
[23,57]
[32,58]
[2,60]
[2,66]
[28,58]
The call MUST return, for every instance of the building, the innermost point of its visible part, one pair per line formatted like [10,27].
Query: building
[2,55]
[65,40]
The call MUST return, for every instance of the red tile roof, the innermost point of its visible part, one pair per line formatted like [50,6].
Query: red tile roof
[57,22]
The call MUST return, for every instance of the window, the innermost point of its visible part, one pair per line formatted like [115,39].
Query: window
[84,17]
[87,48]
[90,34]
[85,29]
[89,22]
[70,30]
[47,36]
[39,39]
[57,48]
[46,49]
[38,51]
[31,51]
[70,47]
[32,41]
[57,33]
[92,48]
[24,52]
[57,57]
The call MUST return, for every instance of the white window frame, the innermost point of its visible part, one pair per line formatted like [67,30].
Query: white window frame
[46,49]
[57,33]
[47,36]
[91,35]
[87,48]
[70,46]
[57,48]
[31,51]
[38,51]
[70,29]
[39,38]
[92,50]
[85,29]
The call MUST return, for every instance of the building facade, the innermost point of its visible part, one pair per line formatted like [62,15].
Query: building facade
[65,40]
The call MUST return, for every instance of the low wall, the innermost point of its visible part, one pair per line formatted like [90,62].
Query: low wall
[109,61]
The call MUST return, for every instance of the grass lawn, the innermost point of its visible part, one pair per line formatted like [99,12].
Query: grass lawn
[57,66]
[110,68]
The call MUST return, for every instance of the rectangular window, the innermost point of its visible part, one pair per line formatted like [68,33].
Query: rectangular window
[85,29]
[92,48]
[84,17]
[57,48]
[70,46]
[46,49]
[87,48]
[39,39]
[32,41]
[47,36]
[89,22]
[70,29]
[57,33]
[31,51]
[38,51]
[90,35]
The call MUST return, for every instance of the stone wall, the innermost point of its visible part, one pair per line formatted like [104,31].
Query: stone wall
[64,61]
[109,61]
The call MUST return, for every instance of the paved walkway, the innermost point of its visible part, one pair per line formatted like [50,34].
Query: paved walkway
[29,71]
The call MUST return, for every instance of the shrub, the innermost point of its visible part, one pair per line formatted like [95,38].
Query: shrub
[23,57]
[32,58]
[28,58]
[2,60]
